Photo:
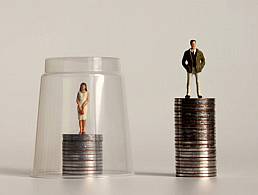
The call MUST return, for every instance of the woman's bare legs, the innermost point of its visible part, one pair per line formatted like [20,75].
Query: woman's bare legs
[83,125]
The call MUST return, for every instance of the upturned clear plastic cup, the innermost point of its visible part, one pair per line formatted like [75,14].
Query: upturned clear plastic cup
[58,114]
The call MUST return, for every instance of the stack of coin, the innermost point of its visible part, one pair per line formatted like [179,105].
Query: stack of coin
[82,154]
[195,137]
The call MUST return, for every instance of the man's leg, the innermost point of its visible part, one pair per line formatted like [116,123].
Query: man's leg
[188,85]
[197,85]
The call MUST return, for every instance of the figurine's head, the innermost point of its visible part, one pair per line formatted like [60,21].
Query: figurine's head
[83,86]
[193,44]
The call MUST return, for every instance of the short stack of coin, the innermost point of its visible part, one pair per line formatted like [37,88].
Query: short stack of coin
[195,137]
[82,154]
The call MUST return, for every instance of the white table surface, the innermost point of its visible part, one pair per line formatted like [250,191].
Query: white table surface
[15,181]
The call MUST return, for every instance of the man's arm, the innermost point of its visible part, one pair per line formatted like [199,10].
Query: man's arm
[184,60]
[202,59]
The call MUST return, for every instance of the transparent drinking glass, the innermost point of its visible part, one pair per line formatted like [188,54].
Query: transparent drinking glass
[59,144]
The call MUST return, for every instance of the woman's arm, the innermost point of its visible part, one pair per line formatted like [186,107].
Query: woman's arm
[77,99]
[86,101]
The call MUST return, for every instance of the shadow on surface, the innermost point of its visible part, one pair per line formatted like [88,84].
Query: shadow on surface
[155,174]
[15,172]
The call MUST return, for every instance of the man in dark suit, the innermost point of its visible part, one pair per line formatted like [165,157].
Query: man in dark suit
[193,61]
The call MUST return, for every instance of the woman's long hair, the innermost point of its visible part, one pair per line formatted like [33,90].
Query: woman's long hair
[86,88]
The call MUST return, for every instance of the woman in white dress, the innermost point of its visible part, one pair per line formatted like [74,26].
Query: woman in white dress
[82,101]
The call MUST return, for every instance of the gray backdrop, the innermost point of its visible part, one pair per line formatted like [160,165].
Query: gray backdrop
[149,37]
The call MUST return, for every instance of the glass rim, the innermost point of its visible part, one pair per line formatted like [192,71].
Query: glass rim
[82,64]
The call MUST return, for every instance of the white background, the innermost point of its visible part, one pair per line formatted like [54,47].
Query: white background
[150,38]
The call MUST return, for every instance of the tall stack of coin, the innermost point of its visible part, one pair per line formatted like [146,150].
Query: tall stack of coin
[195,137]
[82,154]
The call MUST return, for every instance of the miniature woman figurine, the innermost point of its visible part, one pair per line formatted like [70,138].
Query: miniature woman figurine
[82,101]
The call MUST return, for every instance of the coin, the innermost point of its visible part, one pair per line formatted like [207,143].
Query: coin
[82,173]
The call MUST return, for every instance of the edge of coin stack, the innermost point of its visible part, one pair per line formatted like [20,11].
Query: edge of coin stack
[82,154]
[195,141]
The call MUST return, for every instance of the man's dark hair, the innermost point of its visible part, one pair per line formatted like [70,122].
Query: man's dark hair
[192,41]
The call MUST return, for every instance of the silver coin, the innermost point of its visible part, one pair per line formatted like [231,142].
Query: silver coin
[195,100]
[96,159]
[81,158]
[194,120]
[82,144]
[65,169]
[82,169]
[83,151]
[195,172]
[195,169]
[83,135]
[82,161]
[195,114]
[81,173]
[86,139]
[195,159]
[87,156]
[82,165]
[196,175]
[194,104]
[195,138]
[195,133]
[97,136]
[180,146]
[196,142]
[92,162]
[184,107]
[198,127]
[196,156]
[194,130]
[83,148]
[70,155]
[83,139]
[196,152]
[196,164]
[195,123]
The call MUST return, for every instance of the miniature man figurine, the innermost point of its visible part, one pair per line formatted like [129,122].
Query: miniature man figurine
[193,61]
